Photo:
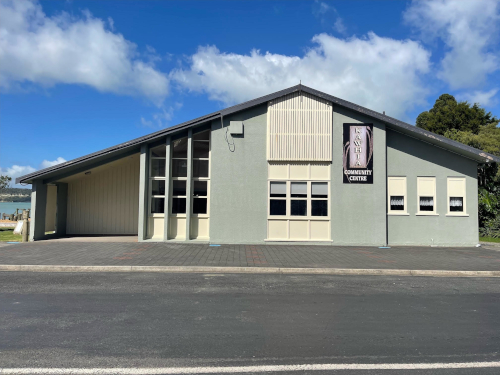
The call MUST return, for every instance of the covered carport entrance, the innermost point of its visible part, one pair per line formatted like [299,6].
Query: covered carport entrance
[101,201]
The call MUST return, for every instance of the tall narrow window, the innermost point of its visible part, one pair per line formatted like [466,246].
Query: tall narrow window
[298,207]
[179,176]
[157,179]
[201,173]
[426,191]
[396,190]
[456,196]
[319,199]
[277,203]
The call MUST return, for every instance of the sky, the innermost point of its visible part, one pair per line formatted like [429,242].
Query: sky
[80,76]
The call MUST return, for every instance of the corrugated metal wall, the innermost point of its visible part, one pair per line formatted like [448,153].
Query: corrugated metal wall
[106,202]
[299,128]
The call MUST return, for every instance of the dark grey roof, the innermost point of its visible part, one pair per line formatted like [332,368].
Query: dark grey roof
[400,126]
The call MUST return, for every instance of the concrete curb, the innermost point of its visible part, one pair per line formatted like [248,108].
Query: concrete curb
[250,270]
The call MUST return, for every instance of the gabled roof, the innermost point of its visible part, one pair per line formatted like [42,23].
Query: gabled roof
[134,145]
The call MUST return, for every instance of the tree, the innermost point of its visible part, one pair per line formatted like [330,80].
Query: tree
[473,126]
[4,181]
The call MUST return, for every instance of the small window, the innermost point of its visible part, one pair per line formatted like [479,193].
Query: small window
[200,188]
[200,168]
[456,196]
[179,168]
[319,207]
[396,189]
[199,205]
[298,207]
[202,136]
[319,190]
[159,152]
[426,192]
[157,167]
[179,187]
[200,150]
[178,205]
[179,148]
[158,187]
[298,190]
[278,189]
[277,207]
[157,205]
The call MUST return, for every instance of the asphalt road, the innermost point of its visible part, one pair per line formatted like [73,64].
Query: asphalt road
[191,320]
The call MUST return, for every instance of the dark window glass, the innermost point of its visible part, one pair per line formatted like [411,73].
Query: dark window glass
[178,205]
[200,168]
[397,203]
[426,203]
[199,205]
[158,187]
[157,205]
[319,208]
[158,167]
[298,189]
[298,207]
[200,149]
[203,136]
[456,204]
[277,207]
[179,147]
[159,151]
[199,188]
[179,168]
[178,187]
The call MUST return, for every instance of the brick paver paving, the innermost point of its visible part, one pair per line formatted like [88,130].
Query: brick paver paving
[177,254]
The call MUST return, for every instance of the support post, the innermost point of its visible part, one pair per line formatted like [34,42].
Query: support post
[168,166]
[189,192]
[62,208]
[38,207]
[143,193]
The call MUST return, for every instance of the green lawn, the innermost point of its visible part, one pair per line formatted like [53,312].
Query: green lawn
[489,239]
[6,234]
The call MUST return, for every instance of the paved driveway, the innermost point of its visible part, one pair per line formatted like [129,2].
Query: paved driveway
[162,254]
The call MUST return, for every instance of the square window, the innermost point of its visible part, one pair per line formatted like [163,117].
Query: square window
[179,148]
[157,167]
[397,203]
[277,207]
[278,189]
[157,205]
[159,151]
[158,187]
[201,149]
[427,204]
[298,207]
[319,190]
[200,188]
[179,168]
[199,205]
[178,205]
[178,187]
[200,168]
[319,208]
[456,204]
[298,189]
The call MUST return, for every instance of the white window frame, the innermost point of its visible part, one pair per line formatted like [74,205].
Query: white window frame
[207,179]
[171,171]
[464,196]
[404,194]
[157,178]
[434,211]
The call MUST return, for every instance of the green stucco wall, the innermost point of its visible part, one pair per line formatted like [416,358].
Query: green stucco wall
[412,158]
[238,195]
[358,210]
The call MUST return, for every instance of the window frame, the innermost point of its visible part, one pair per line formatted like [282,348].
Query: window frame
[434,196]
[464,197]
[207,179]
[152,178]
[405,196]
[172,179]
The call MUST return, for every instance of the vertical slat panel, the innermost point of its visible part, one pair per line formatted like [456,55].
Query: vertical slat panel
[300,128]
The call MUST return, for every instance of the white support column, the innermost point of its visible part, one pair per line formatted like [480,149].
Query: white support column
[168,166]
[38,207]
[189,192]
[143,193]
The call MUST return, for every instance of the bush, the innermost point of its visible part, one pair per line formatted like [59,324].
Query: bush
[491,228]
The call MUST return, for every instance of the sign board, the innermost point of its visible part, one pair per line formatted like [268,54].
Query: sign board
[358,154]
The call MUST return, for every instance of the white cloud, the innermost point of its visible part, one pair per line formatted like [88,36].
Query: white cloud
[63,49]
[20,170]
[380,73]
[469,30]
[339,26]
[47,163]
[326,13]
[484,98]
[161,119]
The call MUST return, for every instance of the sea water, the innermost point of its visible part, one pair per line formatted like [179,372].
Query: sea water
[10,207]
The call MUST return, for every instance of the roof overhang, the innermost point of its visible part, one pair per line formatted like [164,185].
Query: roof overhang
[133,146]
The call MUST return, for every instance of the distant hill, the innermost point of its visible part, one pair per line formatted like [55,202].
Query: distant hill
[15,195]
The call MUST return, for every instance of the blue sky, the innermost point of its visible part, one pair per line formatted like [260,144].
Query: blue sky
[79,76]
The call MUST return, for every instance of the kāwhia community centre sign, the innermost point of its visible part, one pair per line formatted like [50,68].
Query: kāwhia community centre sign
[358,153]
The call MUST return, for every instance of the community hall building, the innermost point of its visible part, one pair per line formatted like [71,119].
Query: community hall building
[297,166]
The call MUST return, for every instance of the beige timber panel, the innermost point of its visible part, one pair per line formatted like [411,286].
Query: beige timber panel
[299,128]
[105,202]
[50,209]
